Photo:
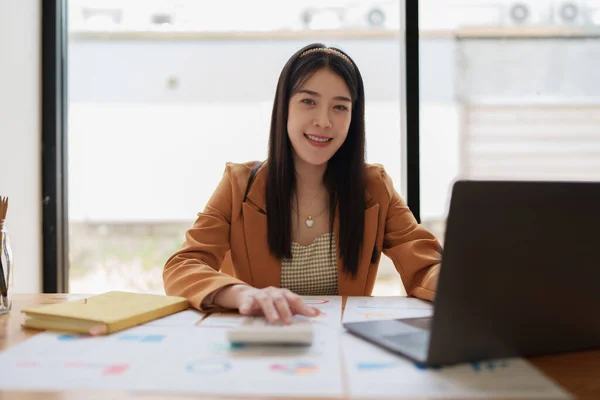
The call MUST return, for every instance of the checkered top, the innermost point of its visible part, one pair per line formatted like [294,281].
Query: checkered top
[311,270]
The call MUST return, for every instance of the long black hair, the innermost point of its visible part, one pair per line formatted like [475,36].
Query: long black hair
[344,177]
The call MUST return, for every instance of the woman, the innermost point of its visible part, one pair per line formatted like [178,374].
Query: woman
[311,220]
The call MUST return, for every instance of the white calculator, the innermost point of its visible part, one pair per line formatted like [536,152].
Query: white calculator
[258,330]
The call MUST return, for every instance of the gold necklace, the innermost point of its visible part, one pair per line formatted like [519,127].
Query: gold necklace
[309,218]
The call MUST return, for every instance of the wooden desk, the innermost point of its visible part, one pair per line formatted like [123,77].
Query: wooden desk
[579,373]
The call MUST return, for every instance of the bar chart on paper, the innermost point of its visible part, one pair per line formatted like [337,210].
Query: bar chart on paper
[375,373]
[374,308]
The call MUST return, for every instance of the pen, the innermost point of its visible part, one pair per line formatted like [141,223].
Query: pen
[7,257]
[3,250]
[3,288]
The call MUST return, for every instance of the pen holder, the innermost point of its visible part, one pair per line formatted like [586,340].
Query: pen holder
[6,262]
[6,273]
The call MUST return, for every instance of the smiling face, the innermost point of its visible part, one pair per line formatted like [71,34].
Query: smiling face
[319,117]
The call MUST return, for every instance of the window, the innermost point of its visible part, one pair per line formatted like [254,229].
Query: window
[163,93]
[509,90]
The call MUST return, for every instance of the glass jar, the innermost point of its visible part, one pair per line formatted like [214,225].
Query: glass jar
[6,273]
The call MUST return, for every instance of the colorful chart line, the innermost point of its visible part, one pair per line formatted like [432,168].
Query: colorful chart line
[375,366]
[130,338]
[298,368]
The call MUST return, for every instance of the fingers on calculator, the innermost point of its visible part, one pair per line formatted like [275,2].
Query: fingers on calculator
[277,305]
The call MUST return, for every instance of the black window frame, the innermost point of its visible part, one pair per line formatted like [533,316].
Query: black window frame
[55,232]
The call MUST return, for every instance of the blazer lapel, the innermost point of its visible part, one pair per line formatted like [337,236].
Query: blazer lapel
[265,269]
[356,287]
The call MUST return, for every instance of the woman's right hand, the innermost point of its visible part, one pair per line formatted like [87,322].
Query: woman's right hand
[275,304]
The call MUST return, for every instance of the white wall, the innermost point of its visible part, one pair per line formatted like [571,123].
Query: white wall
[20,137]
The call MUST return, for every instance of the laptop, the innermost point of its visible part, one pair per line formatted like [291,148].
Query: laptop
[520,276]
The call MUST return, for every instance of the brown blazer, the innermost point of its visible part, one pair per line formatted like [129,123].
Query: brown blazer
[229,226]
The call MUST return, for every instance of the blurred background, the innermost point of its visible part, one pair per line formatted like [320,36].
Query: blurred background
[163,93]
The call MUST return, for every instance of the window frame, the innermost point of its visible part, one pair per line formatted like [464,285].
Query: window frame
[55,233]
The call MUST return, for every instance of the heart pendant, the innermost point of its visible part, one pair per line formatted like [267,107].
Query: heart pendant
[309,222]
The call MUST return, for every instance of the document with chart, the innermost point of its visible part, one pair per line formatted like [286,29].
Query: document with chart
[178,354]
[385,307]
[376,373]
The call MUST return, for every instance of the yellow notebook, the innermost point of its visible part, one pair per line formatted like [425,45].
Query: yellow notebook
[103,314]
